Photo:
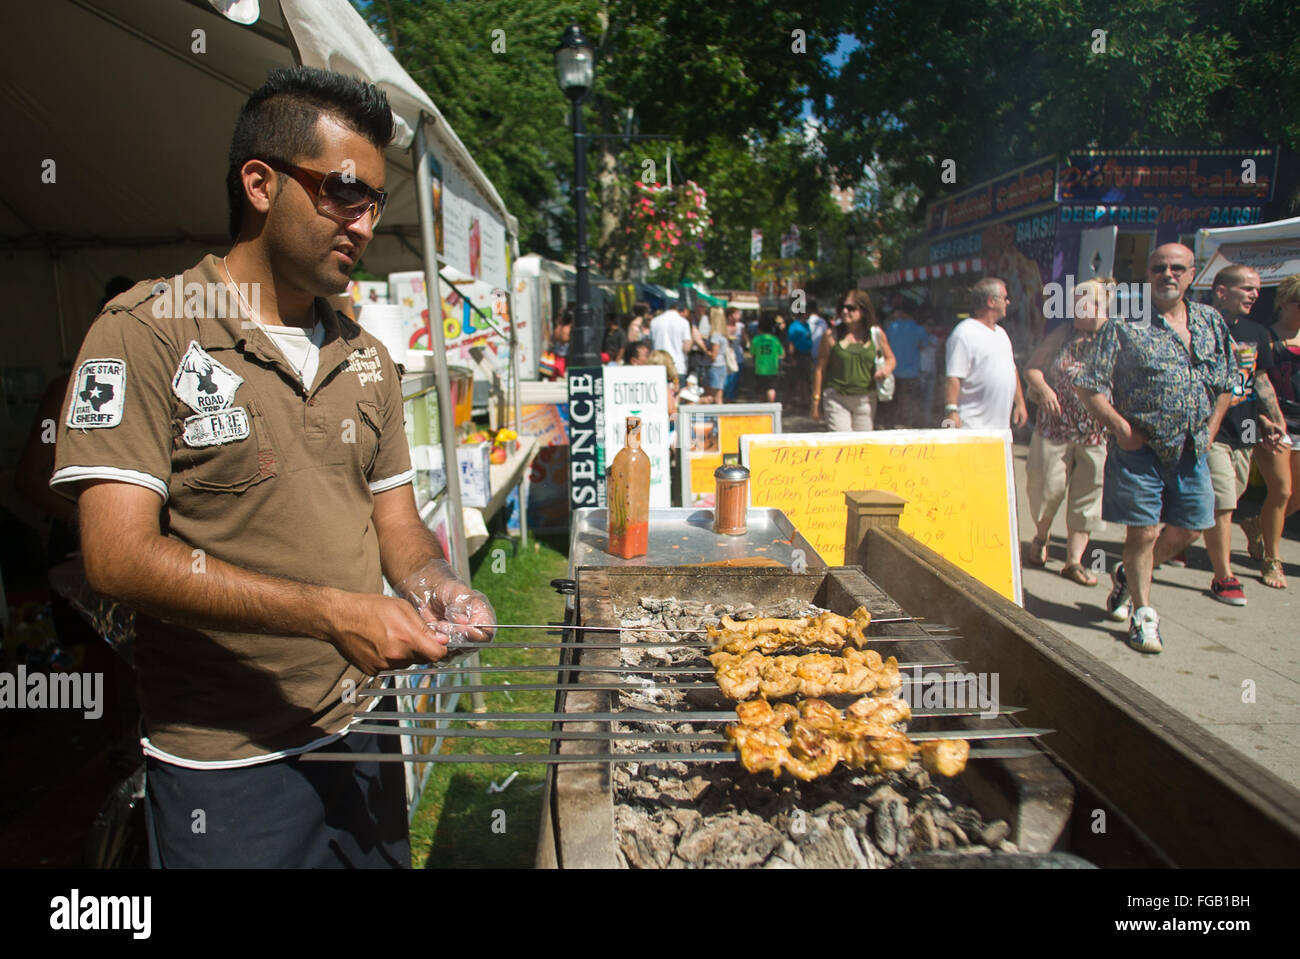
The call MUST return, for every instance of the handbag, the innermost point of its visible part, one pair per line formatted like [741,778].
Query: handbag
[885,387]
[729,355]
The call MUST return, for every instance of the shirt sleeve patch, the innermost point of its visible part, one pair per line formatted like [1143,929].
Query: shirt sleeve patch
[204,384]
[99,395]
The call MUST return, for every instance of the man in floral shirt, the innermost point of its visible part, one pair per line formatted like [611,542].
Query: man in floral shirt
[1154,384]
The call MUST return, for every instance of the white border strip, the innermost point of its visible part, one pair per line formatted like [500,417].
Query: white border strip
[393,482]
[75,474]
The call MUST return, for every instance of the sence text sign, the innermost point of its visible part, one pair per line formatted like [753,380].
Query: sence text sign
[586,427]
[957,483]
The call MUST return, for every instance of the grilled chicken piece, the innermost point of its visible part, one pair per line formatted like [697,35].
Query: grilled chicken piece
[819,714]
[762,749]
[876,709]
[814,674]
[947,757]
[827,630]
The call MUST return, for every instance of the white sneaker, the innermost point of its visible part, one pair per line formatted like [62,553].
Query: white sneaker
[1144,631]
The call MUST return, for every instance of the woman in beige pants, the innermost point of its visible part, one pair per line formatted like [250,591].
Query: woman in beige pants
[844,379]
[1067,453]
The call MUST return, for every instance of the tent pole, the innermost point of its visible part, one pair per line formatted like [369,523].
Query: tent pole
[459,558]
[58,309]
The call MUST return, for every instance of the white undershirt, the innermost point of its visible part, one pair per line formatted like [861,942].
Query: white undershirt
[300,347]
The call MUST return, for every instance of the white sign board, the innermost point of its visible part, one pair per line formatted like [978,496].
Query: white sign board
[640,391]
[1271,249]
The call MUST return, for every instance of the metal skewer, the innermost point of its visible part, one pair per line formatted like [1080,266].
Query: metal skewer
[569,687]
[554,759]
[629,716]
[671,670]
[1016,733]
[660,629]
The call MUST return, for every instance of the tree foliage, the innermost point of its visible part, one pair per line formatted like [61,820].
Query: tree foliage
[993,84]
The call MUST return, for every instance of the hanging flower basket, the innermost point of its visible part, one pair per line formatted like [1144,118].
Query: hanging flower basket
[666,221]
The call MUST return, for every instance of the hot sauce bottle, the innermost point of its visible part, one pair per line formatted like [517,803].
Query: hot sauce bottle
[628,489]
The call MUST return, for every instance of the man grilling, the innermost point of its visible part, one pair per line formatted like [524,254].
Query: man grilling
[244,485]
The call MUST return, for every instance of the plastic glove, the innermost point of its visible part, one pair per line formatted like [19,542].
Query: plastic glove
[448,606]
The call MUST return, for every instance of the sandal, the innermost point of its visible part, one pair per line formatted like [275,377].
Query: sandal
[1035,553]
[1273,575]
[1076,573]
[1254,538]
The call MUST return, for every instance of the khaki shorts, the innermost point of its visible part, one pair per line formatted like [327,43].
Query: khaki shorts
[1229,472]
[1055,470]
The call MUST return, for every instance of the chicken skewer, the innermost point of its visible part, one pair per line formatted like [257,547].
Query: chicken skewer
[820,738]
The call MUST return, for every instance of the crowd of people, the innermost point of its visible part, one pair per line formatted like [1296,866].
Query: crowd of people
[1149,423]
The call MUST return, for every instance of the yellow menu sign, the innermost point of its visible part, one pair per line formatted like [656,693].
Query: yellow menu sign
[958,485]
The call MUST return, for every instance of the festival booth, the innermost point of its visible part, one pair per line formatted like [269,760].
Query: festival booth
[117,167]
[1271,249]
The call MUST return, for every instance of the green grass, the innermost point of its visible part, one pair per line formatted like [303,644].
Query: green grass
[459,823]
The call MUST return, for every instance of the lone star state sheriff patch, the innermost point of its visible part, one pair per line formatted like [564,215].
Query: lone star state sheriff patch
[216,429]
[203,384]
[98,395]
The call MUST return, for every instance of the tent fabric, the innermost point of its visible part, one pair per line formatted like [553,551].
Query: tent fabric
[134,109]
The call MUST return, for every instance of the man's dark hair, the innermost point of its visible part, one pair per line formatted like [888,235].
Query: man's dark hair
[638,347]
[640,308]
[766,324]
[1231,275]
[279,122]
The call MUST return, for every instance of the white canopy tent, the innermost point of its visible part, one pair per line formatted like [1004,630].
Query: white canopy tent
[119,116]
[1272,249]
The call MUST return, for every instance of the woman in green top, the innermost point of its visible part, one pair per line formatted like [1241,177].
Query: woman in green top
[844,382]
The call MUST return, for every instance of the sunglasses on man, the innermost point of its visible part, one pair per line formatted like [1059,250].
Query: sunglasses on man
[342,198]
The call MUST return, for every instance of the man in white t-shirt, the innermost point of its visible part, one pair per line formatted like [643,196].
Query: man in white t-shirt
[671,332]
[816,326]
[982,391]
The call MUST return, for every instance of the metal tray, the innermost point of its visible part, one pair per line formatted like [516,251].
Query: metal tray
[684,536]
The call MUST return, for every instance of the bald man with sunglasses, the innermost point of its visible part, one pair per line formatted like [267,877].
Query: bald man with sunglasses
[237,450]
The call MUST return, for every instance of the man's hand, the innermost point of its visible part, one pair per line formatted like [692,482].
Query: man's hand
[951,420]
[1130,440]
[1049,401]
[447,606]
[375,633]
[1019,415]
[1274,433]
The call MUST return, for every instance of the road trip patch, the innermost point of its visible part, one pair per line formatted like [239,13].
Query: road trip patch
[203,384]
[99,395]
[367,365]
[216,429]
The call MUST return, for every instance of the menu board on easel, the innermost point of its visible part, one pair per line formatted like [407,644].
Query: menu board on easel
[958,484]
[709,435]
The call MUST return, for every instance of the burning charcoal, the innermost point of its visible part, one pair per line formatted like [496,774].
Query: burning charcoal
[883,795]
[882,830]
[685,818]
[643,845]
[995,832]
[776,862]
[974,850]
[969,819]
[945,822]
[826,849]
[745,611]
[916,776]
[652,605]
[924,831]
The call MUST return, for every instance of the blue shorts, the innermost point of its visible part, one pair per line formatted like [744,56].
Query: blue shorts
[1140,490]
[717,377]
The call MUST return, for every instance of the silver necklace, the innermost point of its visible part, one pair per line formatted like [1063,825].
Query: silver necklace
[256,318]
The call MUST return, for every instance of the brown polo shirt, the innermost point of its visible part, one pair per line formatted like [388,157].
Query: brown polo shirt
[175,391]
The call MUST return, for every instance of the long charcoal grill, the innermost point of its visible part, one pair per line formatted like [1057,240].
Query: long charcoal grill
[1012,780]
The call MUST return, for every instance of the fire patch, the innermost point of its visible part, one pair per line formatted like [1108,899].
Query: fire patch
[203,384]
[98,395]
[216,429]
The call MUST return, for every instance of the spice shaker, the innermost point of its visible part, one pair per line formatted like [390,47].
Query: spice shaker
[731,500]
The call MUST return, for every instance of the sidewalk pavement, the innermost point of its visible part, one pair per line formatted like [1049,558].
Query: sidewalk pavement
[1233,670]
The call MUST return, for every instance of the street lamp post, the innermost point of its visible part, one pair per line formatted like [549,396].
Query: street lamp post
[575,68]
[851,241]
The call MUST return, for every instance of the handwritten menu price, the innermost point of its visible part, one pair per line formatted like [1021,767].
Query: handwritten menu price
[958,485]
